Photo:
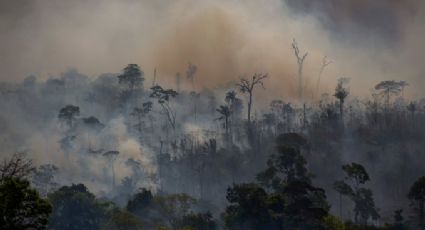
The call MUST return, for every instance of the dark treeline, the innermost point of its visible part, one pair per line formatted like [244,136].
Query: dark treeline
[117,152]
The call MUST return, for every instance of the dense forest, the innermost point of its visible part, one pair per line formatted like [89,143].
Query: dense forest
[118,152]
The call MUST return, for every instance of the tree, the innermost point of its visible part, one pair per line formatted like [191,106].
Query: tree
[325,62]
[75,208]
[43,178]
[112,156]
[140,202]
[248,208]
[417,198]
[364,205]
[300,62]
[190,74]
[18,167]
[68,114]
[21,207]
[92,124]
[412,109]
[140,113]
[132,77]
[248,86]
[225,113]
[122,220]
[197,221]
[341,93]
[132,80]
[163,97]
[388,88]
[283,199]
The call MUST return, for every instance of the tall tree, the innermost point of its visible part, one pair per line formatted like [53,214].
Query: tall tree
[300,61]
[389,88]
[112,156]
[225,113]
[364,205]
[132,77]
[190,74]
[164,97]
[248,86]
[341,93]
[325,63]
[68,114]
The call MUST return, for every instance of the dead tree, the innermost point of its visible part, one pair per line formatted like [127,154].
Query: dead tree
[325,62]
[18,166]
[300,61]
[247,86]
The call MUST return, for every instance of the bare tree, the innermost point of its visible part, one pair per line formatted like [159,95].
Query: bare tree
[18,166]
[248,86]
[300,61]
[325,62]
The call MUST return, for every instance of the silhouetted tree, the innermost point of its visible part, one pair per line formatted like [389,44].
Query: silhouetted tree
[112,156]
[68,114]
[225,113]
[190,74]
[325,63]
[388,88]
[248,86]
[75,208]
[163,97]
[417,198]
[21,207]
[132,77]
[341,93]
[364,205]
[300,62]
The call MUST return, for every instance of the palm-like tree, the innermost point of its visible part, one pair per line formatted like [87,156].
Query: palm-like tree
[225,113]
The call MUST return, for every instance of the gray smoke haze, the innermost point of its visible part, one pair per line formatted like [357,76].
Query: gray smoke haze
[368,40]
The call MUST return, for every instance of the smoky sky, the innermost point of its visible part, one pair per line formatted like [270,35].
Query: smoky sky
[367,40]
[384,19]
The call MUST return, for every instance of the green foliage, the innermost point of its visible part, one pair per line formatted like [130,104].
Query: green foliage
[248,208]
[122,220]
[293,202]
[74,207]
[356,172]
[168,211]
[364,205]
[417,198]
[21,207]
[200,221]
[333,223]
[286,166]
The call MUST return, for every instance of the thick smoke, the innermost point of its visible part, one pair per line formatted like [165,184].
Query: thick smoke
[368,41]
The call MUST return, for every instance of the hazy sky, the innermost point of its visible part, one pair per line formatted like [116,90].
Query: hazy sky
[368,40]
